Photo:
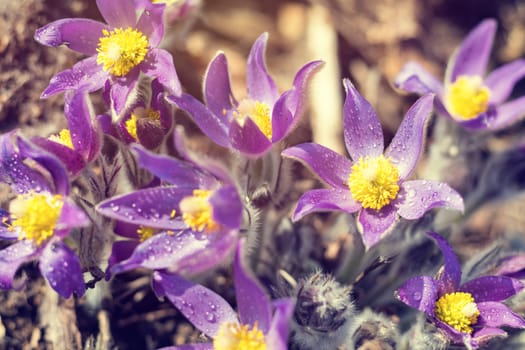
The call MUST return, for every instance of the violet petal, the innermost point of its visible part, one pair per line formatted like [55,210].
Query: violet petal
[472,56]
[450,276]
[151,207]
[419,292]
[483,335]
[200,305]
[121,88]
[151,23]
[216,128]
[259,83]
[11,258]
[227,207]
[507,114]
[374,225]
[61,267]
[407,144]
[159,64]
[252,301]
[416,197]
[323,200]
[79,34]
[494,314]
[415,78]
[277,337]
[217,89]
[248,138]
[71,159]
[329,166]
[362,131]
[118,13]
[501,81]
[492,288]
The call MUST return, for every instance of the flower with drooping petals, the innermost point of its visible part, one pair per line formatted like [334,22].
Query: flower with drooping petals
[374,183]
[39,217]
[119,51]
[263,118]
[469,313]
[196,214]
[467,96]
[261,324]
[79,144]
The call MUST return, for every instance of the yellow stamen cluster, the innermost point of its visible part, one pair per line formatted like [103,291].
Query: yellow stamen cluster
[258,112]
[63,137]
[167,2]
[35,215]
[197,212]
[145,232]
[233,336]
[140,113]
[373,182]
[120,50]
[467,97]
[458,310]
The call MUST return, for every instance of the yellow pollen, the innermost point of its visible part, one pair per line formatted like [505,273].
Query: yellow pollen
[141,114]
[373,182]
[63,137]
[233,336]
[197,212]
[258,112]
[458,310]
[467,97]
[35,215]
[145,232]
[120,50]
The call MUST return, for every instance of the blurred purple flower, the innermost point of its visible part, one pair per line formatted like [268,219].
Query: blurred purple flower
[146,121]
[39,218]
[467,96]
[469,313]
[120,51]
[261,324]
[80,143]
[255,123]
[373,184]
[196,212]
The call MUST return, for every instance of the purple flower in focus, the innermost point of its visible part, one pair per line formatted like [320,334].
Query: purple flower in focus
[119,51]
[195,215]
[261,324]
[39,218]
[373,184]
[263,118]
[469,313]
[467,96]
[146,121]
[80,143]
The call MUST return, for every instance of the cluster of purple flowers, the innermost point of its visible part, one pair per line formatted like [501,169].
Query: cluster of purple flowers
[181,216]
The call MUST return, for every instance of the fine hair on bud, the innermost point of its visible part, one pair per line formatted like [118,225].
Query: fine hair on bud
[323,313]
[371,330]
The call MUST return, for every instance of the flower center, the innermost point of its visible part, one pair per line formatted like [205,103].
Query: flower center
[258,112]
[120,50]
[458,310]
[233,336]
[373,182]
[63,137]
[140,113]
[197,212]
[145,232]
[467,97]
[35,215]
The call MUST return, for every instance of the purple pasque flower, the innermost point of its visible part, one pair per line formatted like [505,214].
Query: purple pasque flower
[119,51]
[469,313]
[373,183]
[467,96]
[80,143]
[146,120]
[195,214]
[261,324]
[253,124]
[39,217]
